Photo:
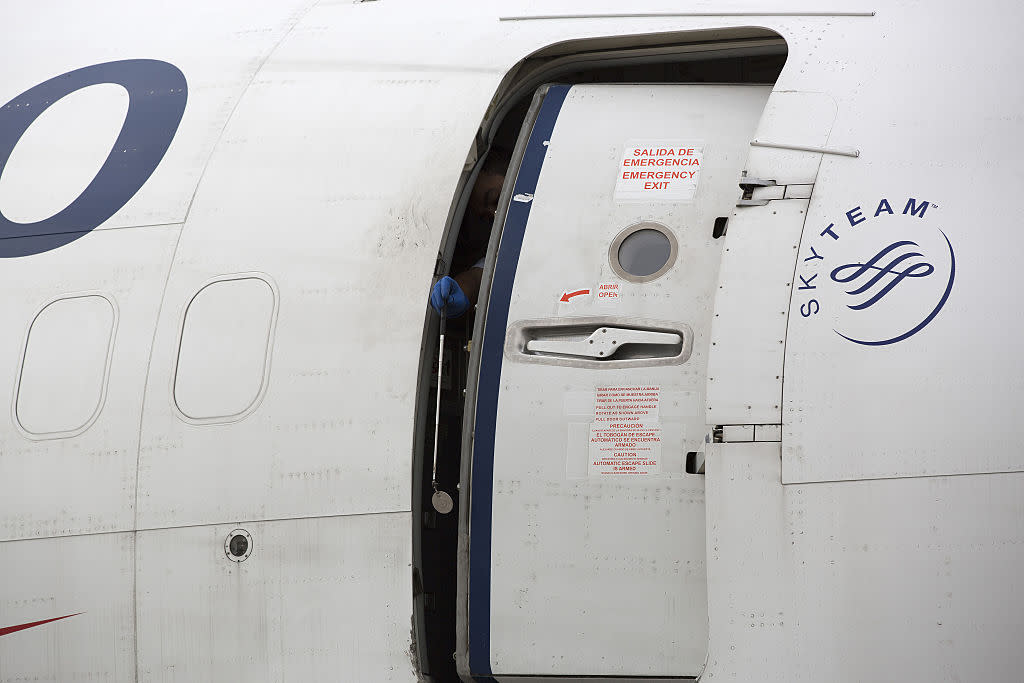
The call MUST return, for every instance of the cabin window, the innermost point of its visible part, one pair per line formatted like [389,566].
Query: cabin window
[224,353]
[65,366]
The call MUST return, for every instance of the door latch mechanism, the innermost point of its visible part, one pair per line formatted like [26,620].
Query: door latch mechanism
[603,343]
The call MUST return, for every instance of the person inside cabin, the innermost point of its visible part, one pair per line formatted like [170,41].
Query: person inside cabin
[456,295]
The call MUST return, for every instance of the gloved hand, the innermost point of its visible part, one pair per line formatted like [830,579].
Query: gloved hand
[448,295]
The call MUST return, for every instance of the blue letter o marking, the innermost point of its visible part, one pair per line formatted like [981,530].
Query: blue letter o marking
[157,93]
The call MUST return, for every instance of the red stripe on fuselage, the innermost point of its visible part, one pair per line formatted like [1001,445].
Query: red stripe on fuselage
[21,627]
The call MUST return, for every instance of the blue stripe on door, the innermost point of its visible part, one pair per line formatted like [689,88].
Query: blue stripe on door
[490,377]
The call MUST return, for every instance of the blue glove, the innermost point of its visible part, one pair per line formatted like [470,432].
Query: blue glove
[448,295]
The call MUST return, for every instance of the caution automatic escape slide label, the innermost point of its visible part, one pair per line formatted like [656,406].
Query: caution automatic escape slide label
[625,437]
[659,171]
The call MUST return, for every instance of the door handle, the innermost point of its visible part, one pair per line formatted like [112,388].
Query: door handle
[605,342]
[598,341]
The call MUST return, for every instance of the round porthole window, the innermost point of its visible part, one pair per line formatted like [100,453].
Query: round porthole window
[643,252]
[238,545]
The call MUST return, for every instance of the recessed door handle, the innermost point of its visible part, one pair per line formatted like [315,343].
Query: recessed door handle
[605,342]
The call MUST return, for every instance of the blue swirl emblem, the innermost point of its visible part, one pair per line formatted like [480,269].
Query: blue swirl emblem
[860,271]
[896,270]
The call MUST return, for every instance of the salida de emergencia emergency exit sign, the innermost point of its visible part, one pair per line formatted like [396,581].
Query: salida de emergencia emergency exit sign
[661,171]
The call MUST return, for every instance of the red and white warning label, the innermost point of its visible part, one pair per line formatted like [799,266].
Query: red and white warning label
[625,437]
[624,451]
[609,293]
[659,171]
[627,404]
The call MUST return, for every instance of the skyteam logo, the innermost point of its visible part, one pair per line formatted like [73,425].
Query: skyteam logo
[882,277]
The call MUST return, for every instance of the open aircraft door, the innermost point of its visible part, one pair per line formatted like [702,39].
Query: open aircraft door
[582,550]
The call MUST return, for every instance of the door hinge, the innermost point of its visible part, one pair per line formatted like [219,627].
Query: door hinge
[758,191]
[747,433]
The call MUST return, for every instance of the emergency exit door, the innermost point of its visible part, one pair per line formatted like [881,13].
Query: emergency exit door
[586,534]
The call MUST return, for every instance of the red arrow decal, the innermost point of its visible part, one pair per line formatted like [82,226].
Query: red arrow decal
[568,295]
[21,627]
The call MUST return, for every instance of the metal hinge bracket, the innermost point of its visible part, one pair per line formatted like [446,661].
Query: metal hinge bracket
[747,433]
[758,191]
